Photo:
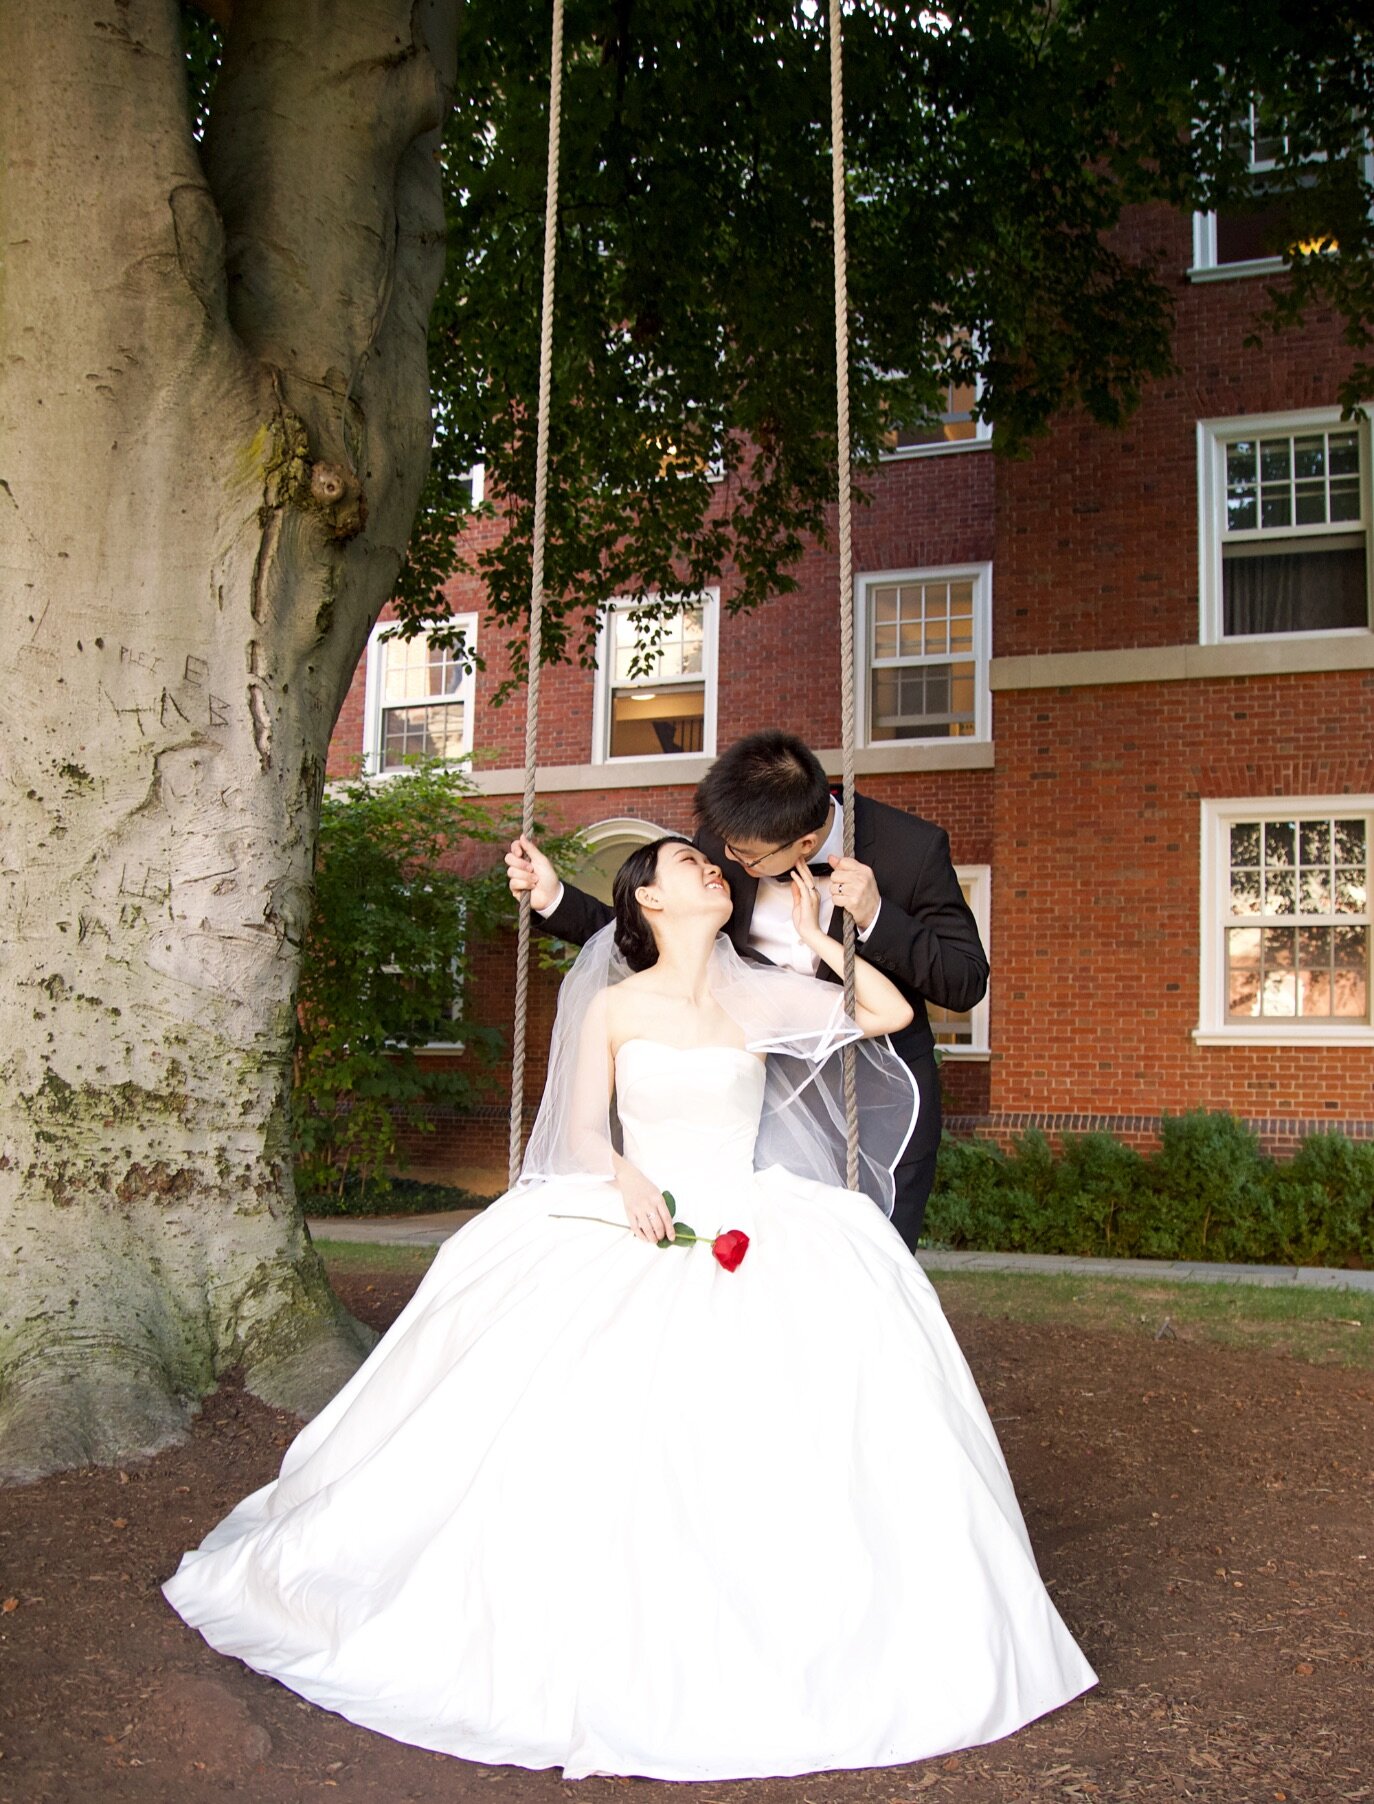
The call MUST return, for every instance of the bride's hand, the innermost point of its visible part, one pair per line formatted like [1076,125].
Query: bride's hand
[645,1209]
[806,904]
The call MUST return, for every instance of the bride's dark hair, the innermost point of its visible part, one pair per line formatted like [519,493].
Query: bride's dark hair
[633,938]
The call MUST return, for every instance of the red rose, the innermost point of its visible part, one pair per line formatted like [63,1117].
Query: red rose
[730,1248]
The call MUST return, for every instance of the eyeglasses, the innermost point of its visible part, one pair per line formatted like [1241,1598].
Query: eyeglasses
[752,864]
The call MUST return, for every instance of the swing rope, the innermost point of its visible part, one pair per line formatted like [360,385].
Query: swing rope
[845,511]
[541,487]
[536,632]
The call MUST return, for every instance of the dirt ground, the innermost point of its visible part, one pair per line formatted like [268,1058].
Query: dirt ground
[1204,1517]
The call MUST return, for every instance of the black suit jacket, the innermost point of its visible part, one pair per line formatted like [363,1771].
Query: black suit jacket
[925,938]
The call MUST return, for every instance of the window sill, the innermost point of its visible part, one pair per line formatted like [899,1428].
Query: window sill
[1316,1037]
[964,1055]
[1237,272]
[950,447]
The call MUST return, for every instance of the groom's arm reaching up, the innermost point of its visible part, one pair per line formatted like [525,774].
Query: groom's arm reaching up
[556,907]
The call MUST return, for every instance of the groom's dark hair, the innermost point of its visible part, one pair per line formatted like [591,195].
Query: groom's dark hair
[769,788]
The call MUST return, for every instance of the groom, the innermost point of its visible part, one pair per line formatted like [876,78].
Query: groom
[764,804]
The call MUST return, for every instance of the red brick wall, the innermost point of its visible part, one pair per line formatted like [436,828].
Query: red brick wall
[1090,819]
[1096,890]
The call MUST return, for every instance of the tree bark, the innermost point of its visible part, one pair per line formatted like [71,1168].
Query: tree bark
[214,426]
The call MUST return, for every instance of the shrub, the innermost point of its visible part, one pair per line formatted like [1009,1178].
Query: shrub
[1207,1193]
[384,971]
[1096,1200]
[1324,1202]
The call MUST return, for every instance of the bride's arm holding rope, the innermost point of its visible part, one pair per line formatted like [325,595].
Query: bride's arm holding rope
[879,1006]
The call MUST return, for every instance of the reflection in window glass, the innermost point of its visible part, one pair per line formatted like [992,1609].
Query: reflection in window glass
[1304,883]
[922,672]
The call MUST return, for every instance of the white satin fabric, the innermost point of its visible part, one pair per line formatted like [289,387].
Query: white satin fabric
[603,1506]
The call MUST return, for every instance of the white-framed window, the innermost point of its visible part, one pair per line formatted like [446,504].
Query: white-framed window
[448,1006]
[1283,525]
[926,639]
[475,482]
[964,1033]
[1285,931]
[1249,242]
[418,700]
[656,692]
[958,427]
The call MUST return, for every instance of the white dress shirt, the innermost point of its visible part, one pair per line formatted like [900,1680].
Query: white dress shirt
[771,931]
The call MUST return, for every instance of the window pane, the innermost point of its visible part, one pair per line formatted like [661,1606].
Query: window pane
[1352,892]
[1276,507]
[1245,842]
[432,732]
[647,723]
[1243,971]
[412,669]
[1245,892]
[1314,842]
[1279,842]
[1275,460]
[1350,983]
[1309,456]
[1314,893]
[1280,892]
[885,641]
[885,605]
[1350,842]
[1279,989]
[1294,591]
[937,639]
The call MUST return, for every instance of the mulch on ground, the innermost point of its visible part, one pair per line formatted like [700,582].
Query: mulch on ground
[1204,1517]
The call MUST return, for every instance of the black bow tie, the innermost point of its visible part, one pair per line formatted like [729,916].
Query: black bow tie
[816,870]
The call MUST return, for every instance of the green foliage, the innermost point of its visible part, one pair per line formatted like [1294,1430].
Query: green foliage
[408,879]
[397,1196]
[1209,1199]
[989,167]
[990,163]
[1207,1193]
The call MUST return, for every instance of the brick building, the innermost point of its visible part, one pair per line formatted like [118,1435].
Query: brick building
[1132,675]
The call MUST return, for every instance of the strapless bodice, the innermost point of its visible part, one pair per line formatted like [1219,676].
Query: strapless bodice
[689,1115]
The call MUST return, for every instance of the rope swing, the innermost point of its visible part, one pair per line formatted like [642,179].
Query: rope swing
[845,508]
[541,486]
[536,634]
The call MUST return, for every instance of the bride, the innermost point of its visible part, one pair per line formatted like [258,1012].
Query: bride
[671,1466]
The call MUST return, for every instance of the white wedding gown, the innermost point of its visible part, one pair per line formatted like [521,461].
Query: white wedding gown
[604,1506]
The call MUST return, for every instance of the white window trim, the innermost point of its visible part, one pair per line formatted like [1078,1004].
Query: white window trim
[978,877]
[1213,1028]
[605,681]
[981,440]
[1212,439]
[372,698]
[981,573]
[1205,267]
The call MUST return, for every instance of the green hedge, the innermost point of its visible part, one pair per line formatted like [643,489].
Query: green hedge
[1207,1193]
[398,1196]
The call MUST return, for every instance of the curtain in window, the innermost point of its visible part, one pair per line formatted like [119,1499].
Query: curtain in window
[1294,591]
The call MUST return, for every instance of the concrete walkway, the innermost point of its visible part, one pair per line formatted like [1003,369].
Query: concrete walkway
[431,1230]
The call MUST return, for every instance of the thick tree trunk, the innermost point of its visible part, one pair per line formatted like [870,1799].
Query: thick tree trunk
[213,430]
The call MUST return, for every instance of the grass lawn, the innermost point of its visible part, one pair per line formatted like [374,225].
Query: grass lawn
[1321,1326]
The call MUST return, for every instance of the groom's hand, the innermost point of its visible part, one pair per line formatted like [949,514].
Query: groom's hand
[854,888]
[529,873]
